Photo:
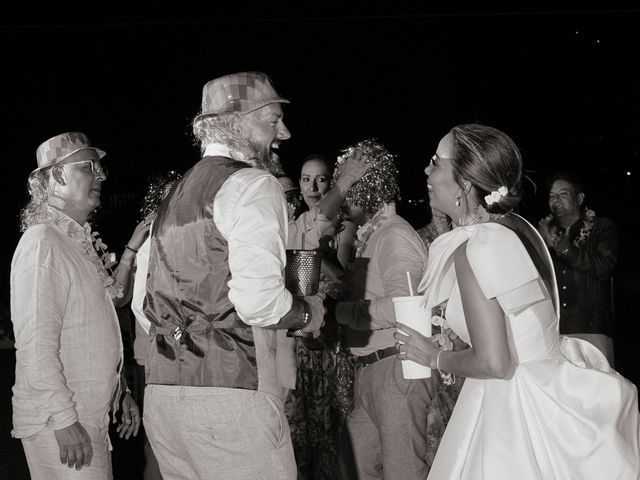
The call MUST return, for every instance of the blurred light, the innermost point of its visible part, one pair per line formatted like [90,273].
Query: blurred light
[577,32]
[628,174]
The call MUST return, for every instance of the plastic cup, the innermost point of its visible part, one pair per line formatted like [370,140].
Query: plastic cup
[408,311]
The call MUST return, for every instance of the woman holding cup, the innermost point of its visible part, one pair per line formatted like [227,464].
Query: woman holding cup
[534,404]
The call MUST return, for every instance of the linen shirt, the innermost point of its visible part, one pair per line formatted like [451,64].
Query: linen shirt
[140,283]
[306,230]
[68,342]
[250,211]
[142,267]
[378,275]
[141,341]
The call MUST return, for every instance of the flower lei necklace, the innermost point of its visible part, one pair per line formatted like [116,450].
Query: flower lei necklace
[588,221]
[92,244]
[365,231]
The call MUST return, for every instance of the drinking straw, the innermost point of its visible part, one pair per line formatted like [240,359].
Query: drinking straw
[409,281]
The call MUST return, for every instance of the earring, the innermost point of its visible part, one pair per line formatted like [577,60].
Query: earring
[457,200]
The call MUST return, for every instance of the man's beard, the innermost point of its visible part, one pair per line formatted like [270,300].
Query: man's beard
[265,159]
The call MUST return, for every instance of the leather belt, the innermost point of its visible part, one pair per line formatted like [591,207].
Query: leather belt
[377,355]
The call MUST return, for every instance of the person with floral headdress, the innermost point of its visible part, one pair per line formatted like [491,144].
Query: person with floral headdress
[387,426]
[67,335]
[534,404]
[584,248]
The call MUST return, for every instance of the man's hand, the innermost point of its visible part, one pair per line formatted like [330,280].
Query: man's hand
[75,446]
[318,310]
[130,423]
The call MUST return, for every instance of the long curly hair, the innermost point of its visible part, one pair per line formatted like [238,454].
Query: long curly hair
[36,211]
[231,130]
[379,185]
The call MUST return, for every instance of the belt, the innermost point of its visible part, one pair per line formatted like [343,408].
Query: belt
[375,356]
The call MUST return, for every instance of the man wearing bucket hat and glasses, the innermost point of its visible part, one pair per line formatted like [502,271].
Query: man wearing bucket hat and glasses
[68,343]
[216,297]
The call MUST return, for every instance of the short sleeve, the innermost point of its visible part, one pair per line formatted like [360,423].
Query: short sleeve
[503,267]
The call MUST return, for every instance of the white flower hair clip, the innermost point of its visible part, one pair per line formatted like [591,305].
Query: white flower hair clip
[496,195]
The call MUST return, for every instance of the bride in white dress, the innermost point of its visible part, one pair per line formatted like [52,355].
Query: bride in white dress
[534,405]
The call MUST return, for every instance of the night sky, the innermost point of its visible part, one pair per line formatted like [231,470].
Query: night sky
[563,84]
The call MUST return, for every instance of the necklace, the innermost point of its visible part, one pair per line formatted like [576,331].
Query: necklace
[482,216]
[588,221]
[365,231]
[91,244]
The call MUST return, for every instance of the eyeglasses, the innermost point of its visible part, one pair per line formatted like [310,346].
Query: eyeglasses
[96,166]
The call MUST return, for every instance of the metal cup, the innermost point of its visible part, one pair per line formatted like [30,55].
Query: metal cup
[302,272]
[302,277]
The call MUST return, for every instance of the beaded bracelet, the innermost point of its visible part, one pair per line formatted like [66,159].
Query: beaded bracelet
[447,378]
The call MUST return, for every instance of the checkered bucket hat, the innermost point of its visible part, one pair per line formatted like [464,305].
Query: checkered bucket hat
[241,92]
[56,149]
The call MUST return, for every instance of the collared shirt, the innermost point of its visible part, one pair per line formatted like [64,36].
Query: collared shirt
[139,284]
[250,211]
[584,275]
[390,250]
[141,342]
[306,230]
[68,343]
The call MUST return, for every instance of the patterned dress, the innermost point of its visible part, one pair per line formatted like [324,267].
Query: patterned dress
[318,407]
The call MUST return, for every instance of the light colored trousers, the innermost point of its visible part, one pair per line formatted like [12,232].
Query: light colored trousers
[388,425]
[218,433]
[43,456]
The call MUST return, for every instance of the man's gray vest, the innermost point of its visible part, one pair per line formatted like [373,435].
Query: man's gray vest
[197,337]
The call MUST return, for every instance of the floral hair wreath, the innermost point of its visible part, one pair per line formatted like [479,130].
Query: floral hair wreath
[496,195]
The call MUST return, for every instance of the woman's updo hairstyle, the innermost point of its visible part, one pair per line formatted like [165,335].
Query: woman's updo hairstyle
[489,159]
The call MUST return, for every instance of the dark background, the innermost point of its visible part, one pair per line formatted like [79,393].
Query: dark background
[562,82]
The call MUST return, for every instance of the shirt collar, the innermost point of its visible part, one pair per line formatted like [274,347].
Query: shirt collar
[68,224]
[222,150]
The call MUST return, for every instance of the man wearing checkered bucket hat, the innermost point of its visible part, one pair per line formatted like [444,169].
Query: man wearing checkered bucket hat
[68,344]
[216,372]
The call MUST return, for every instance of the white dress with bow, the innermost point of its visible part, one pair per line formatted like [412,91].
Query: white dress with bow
[565,413]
